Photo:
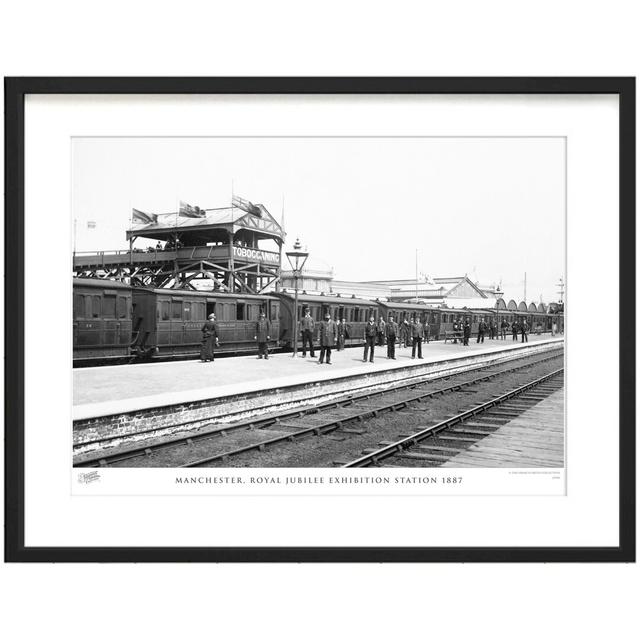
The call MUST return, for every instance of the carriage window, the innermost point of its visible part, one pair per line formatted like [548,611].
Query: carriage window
[318,313]
[95,306]
[211,308]
[164,310]
[78,306]
[109,308]
[187,311]
[176,309]
[122,307]
[240,311]
[273,311]
[355,317]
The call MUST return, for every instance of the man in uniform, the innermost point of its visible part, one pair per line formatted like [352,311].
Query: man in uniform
[343,333]
[492,329]
[405,333]
[482,329]
[514,330]
[504,325]
[308,325]
[417,333]
[455,331]
[209,339]
[327,335]
[524,330]
[391,334]
[263,330]
[380,328]
[370,331]
[427,330]
[466,332]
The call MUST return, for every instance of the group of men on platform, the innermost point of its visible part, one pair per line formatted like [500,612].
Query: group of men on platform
[331,334]
[462,330]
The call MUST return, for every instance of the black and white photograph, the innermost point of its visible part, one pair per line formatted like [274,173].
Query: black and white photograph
[316,310]
[391,302]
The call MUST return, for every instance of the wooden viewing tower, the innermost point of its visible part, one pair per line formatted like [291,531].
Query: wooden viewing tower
[220,245]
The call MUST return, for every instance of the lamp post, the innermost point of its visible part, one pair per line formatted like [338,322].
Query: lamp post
[296,258]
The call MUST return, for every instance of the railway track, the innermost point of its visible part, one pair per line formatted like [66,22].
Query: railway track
[344,414]
[453,435]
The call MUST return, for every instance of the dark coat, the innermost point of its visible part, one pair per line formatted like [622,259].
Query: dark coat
[466,330]
[417,330]
[370,330]
[391,329]
[308,324]
[210,329]
[327,333]
[263,330]
[405,330]
[343,329]
[482,327]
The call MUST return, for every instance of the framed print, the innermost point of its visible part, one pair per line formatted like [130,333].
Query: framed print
[320,319]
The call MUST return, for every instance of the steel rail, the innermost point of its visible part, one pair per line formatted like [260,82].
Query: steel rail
[273,419]
[329,426]
[396,447]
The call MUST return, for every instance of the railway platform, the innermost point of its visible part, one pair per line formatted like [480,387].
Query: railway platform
[533,439]
[152,398]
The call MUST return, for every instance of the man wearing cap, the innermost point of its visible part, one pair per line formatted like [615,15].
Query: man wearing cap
[308,325]
[327,334]
[391,331]
[482,329]
[370,332]
[209,339]
[343,333]
[417,333]
[466,332]
[405,333]
[381,331]
[263,329]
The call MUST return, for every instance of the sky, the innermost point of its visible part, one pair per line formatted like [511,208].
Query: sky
[491,208]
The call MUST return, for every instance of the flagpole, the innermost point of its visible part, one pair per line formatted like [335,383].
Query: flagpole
[416,275]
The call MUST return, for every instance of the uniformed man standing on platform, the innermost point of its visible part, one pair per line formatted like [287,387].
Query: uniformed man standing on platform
[308,325]
[514,330]
[343,333]
[391,333]
[455,331]
[417,333]
[263,331]
[466,332]
[427,330]
[381,332]
[524,330]
[482,329]
[209,339]
[504,325]
[405,333]
[370,332]
[327,335]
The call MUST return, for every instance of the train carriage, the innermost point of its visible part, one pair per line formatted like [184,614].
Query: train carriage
[356,312]
[171,320]
[402,311]
[102,322]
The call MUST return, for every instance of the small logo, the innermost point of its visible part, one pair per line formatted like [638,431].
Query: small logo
[88,477]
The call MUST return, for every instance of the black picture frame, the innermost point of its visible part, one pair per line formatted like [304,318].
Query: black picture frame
[15,91]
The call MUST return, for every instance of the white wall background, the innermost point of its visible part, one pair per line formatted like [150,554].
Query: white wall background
[331,38]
